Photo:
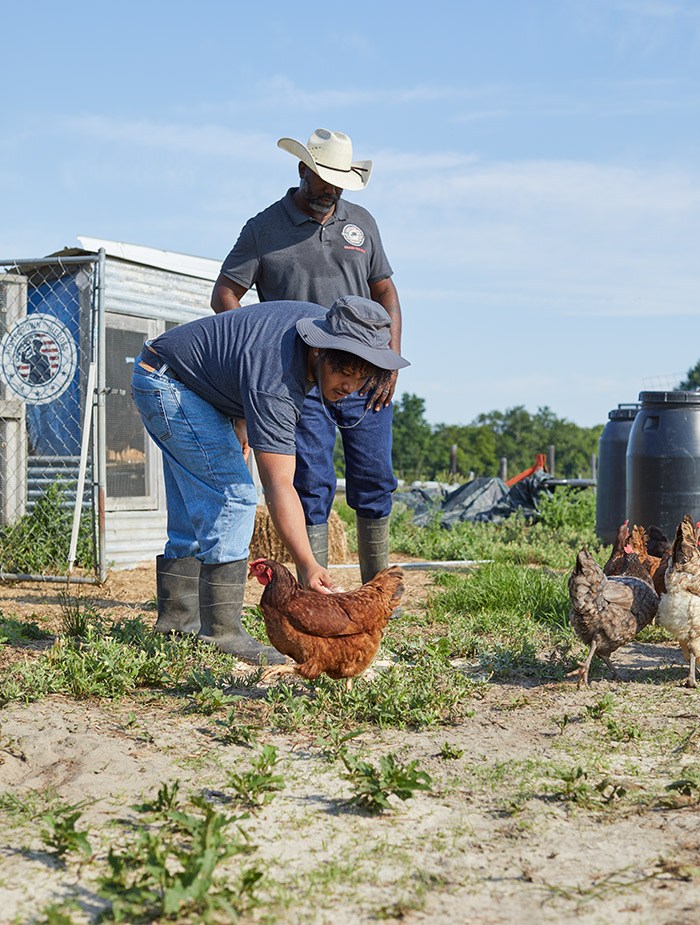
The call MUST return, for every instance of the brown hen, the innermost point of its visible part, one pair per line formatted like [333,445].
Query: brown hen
[606,612]
[335,634]
[640,543]
[614,563]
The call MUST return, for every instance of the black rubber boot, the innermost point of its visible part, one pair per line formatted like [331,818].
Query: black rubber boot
[318,540]
[221,589]
[372,546]
[177,586]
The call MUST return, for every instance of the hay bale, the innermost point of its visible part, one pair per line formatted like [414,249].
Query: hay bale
[266,543]
[338,550]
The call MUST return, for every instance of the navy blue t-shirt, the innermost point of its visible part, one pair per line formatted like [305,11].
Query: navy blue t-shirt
[248,363]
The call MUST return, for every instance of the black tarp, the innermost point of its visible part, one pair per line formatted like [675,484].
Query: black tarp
[483,499]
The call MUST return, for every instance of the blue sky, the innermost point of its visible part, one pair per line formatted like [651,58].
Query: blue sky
[536,167]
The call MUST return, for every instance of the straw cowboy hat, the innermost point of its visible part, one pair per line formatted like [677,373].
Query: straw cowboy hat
[329,154]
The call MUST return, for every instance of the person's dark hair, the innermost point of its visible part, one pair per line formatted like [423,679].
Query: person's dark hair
[338,360]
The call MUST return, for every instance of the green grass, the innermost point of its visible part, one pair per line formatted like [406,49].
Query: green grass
[504,620]
[403,696]
[566,522]
[502,615]
[112,660]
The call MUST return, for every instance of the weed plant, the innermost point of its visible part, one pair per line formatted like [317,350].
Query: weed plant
[39,541]
[79,618]
[170,870]
[235,731]
[212,700]
[260,784]
[16,632]
[29,805]
[166,800]
[58,914]
[684,790]
[374,784]
[403,696]
[61,834]
[573,786]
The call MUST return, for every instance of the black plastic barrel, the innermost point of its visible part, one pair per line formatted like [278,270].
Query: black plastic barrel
[663,460]
[611,488]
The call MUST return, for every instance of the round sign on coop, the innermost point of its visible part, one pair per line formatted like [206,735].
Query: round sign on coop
[38,359]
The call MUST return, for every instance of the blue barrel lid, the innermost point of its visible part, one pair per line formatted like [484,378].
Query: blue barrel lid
[624,412]
[669,398]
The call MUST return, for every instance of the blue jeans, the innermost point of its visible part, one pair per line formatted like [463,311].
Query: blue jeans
[369,475]
[209,491]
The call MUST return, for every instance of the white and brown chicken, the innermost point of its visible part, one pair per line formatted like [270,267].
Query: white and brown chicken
[679,608]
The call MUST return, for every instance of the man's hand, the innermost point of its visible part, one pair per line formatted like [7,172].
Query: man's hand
[317,578]
[379,397]
[241,431]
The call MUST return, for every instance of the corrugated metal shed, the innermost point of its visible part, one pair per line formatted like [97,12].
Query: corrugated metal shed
[156,283]
[165,288]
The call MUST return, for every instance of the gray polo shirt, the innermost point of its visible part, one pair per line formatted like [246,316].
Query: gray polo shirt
[249,363]
[287,255]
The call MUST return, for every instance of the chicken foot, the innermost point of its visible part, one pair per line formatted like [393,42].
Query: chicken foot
[277,671]
[583,667]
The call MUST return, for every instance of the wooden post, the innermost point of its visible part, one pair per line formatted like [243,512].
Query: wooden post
[503,469]
[13,423]
[594,465]
[550,459]
[453,459]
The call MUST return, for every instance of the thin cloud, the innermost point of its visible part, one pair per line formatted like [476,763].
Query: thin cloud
[520,185]
[211,140]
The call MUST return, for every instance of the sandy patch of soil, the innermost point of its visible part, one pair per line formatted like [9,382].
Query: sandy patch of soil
[497,841]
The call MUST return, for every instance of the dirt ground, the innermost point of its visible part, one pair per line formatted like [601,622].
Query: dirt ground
[496,841]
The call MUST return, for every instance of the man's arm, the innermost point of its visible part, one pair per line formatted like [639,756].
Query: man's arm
[384,292]
[226,294]
[277,475]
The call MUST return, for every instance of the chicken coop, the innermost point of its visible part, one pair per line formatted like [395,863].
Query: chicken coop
[74,456]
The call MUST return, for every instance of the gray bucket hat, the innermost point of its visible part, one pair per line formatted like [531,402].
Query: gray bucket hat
[356,325]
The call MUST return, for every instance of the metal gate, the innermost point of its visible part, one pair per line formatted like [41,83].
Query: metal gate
[52,392]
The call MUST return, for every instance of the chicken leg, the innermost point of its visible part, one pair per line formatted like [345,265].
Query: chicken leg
[584,666]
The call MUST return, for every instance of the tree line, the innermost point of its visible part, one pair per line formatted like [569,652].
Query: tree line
[425,451]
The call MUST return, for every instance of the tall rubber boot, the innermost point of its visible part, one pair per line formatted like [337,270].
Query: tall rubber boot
[372,546]
[318,540]
[221,589]
[177,586]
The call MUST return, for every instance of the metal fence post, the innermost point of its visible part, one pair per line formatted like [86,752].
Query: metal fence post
[101,429]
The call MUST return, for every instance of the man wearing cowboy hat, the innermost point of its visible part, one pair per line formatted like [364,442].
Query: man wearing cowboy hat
[314,246]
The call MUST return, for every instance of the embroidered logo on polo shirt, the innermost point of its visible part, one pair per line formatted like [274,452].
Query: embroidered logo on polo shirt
[354,235]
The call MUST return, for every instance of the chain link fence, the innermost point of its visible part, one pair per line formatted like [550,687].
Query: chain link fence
[49,456]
